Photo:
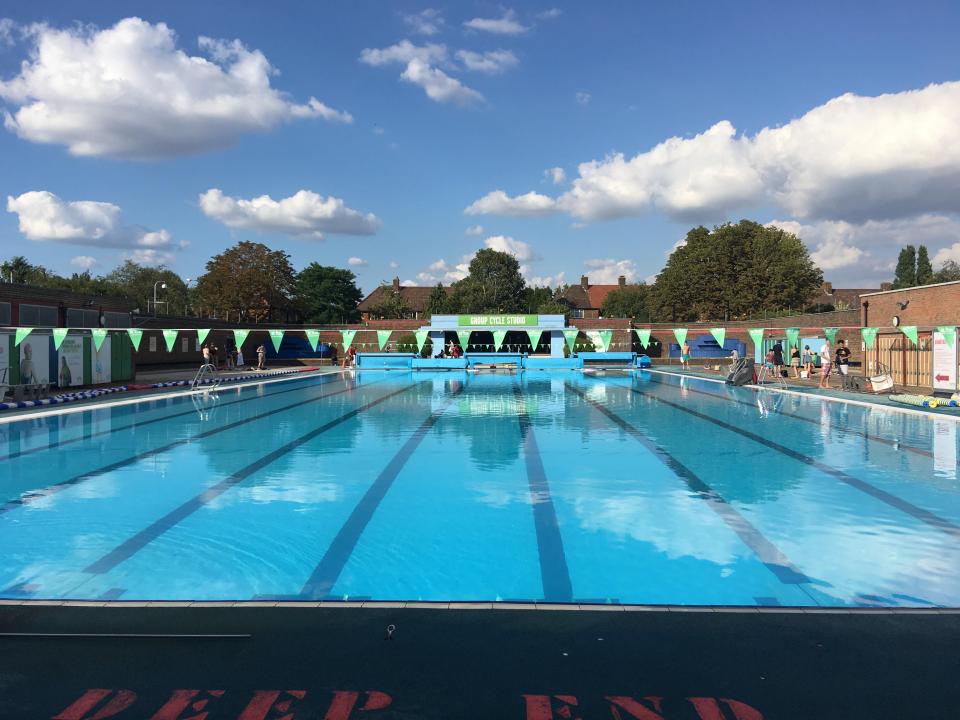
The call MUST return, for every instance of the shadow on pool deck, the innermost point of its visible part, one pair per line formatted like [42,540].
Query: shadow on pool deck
[337,664]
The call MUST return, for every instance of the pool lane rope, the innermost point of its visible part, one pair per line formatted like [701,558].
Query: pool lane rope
[924,401]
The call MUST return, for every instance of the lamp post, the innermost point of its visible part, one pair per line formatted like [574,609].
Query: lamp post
[186,301]
[163,286]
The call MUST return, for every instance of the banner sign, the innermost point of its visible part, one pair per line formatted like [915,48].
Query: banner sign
[382,337]
[534,336]
[347,336]
[793,337]
[58,335]
[498,336]
[831,333]
[949,334]
[944,360]
[22,334]
[313,337]
[719,334]
[496,320]
[99,336]
[571,337]
[421,336]
[276,337]
[464,337]
[643,336]
[239,336]
[681,335]
[100,360]
[869,335]
[756,334]
[202,335]
[136,335]
[171,337]
[70,362]
[911,332]
[35,360]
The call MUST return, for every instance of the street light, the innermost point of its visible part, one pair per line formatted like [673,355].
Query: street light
[187,300]
[163,286]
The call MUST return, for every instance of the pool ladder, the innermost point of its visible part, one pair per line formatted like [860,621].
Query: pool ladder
[207,369]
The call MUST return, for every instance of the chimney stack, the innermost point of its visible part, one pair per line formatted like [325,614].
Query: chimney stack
[827,288]
[396,285]
[622,281]
[584,282]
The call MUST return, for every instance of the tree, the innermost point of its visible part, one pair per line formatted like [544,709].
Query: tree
[924,268]
[21,271]
[136,282]
[537,296]
[948,272]
[327,294]
[629,301]
[438,303]
[390,306]
[494,284]
[249,280]
[906,273]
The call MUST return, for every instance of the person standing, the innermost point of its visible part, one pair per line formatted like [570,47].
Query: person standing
[842,355]
[825,361]
[795,361]
[685,355]
[807,361]
[778,359]
[261,357]
[207,359]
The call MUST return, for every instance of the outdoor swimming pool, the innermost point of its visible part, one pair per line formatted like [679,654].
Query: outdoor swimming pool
[561,487]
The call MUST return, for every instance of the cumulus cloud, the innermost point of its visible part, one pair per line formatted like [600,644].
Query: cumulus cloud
[394,264]
[507,24]
[556,175]
[606,272]
[582,98]
[303,214]
[550,14]
[519,249]
[951,253]
[403,52]
[492,61]
[150,256]
[357,262]
[425,22]
[421,69]
[853,158]
[84,262]
[44,217]
[7,27]
[128,91]
[499,203]
[549,281]
[474,230]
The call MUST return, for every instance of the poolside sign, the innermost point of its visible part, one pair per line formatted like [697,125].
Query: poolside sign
[496,320]
[945,359]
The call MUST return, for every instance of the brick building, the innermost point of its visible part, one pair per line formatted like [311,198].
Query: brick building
[585,300]
[414,297]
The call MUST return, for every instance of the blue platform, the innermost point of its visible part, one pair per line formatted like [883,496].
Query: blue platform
[439,363]
[385,361]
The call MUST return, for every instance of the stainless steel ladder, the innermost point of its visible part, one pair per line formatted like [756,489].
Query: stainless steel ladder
[205,370]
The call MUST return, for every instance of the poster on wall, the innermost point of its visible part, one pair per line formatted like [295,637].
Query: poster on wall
[944,363]
[70,362]
[35,359]
[100,362]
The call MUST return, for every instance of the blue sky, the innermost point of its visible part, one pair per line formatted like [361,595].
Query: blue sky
[720,110]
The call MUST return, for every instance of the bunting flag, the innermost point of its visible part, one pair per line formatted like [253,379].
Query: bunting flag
[680,334]
[644,336]
[464,337]
[605,336]
[756,334]
[60,333]
[171,337]
[719,334]
[313,337]
[498,336]
[534,336]
[347,336]
[911,332]
[949,334]
[276,337]
[570,335]
[421,336]
[98,337]
[136,335]
[793,337]
[869,335]
[382,337]
[239,336]
[202,334]
[21,335]
[831,333]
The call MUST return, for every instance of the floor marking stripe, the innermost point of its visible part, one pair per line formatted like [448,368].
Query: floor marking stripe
[554,573]
[325,575]
[134,544]
[768,553]
[883,496]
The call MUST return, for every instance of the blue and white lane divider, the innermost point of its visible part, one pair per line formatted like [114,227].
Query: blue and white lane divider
[90,394]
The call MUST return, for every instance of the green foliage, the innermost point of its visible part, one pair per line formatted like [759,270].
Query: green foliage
[135,282]
[627,302]
[438,303]
[537,296]
[924,268]
[248,281]
[391,305]
[948,272]
[327,294]
[553,307]
[906,273]
[494,285]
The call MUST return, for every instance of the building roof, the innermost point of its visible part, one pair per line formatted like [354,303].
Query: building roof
[55,296]
[829,295]
[590,297]
[415,296]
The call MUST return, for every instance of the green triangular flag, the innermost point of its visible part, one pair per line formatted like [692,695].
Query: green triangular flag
[570,335]
[59,334]
[202,335]
[756,334]
[911,332]
[949,334]
[680,334]
[793,337]
[276,337]
[21,335]
[719,334]
[421,336]
[534,336]
[605,336]
[498,336]
[464,337]
[644,336]
[869,336]
[347,336]
[831,333]
[382,337]
[171,337]
[98,337]
[239,337]
[313,337]
[136,335]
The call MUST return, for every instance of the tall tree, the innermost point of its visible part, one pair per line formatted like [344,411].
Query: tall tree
[924,268]
[21,271]
[537,296]
[438,302]
[136,283]
[494,284]
[906,273]
[248,282]
[327,294]
[629,301]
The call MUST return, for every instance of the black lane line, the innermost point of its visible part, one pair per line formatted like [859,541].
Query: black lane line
[554,573]
[768,553]
[141,423]
[43,492]
[850,431]
[134,544]
[327,571]
[883,496]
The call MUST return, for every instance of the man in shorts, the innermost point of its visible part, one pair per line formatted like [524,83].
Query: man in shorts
[825,366]
[842,355]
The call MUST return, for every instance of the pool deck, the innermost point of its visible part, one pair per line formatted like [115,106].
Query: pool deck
[252,663]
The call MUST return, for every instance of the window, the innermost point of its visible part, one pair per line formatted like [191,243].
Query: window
[576,313]
[116,320]
[4,313]
[77,318]
[38,316]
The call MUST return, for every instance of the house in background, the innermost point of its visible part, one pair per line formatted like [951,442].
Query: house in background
[414,297]
[829,298]
[585,300]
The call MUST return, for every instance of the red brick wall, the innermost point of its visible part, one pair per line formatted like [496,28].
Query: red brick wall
[928,306]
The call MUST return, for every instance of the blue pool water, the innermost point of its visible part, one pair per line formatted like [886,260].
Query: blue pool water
[565,487]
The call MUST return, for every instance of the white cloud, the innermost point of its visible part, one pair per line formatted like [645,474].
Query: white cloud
[394,264]
[44,217]
[357,262]
[425,22]
[303,214]
[474,230]
[150,256]
[945,254]
[421,70]
[403,52]
[606,272]
[550,14]
[519,249]
[556,175]
[492,61]
[6,32]
[499,203]
[84,262]
[550,281]
[505,25]
[582,98]
[129,92]
[409,283]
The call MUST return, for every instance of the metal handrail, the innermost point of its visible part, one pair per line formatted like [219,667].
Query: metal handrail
[202,372]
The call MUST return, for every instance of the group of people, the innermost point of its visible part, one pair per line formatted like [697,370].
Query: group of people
[803,364]
[230,358]
[451,351]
